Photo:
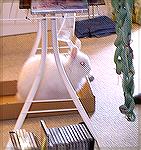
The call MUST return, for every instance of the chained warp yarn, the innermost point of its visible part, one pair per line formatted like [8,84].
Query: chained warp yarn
[124,54]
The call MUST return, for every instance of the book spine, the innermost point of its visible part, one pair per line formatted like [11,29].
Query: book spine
[28,139]
[33,140]
[47,139]
[15,140]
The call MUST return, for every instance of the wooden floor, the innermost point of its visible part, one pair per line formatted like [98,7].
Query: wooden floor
[114,131]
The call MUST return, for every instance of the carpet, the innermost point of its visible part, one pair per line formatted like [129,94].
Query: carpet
[114,131]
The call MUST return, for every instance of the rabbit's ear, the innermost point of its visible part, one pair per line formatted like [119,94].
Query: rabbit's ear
[74,52]
[78,43]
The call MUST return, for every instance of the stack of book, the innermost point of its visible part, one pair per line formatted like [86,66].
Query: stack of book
[23,140]
[71,137]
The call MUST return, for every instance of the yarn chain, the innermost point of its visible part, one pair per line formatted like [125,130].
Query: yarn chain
[123,57]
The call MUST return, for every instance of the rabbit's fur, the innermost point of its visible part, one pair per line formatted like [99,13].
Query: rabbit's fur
[76,64]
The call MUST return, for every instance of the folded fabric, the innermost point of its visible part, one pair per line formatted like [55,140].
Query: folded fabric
[95,27]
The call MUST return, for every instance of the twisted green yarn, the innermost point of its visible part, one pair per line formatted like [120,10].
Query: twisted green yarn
[123,57]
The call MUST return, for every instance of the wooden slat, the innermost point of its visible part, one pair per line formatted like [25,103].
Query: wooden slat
[8,87]
[10,107]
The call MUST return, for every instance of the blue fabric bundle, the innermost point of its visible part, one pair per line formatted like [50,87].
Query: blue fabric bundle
[95,27]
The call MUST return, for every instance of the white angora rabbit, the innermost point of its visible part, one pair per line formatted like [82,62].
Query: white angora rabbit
[76,64]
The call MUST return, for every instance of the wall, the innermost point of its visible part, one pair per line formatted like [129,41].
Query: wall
[17,26]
